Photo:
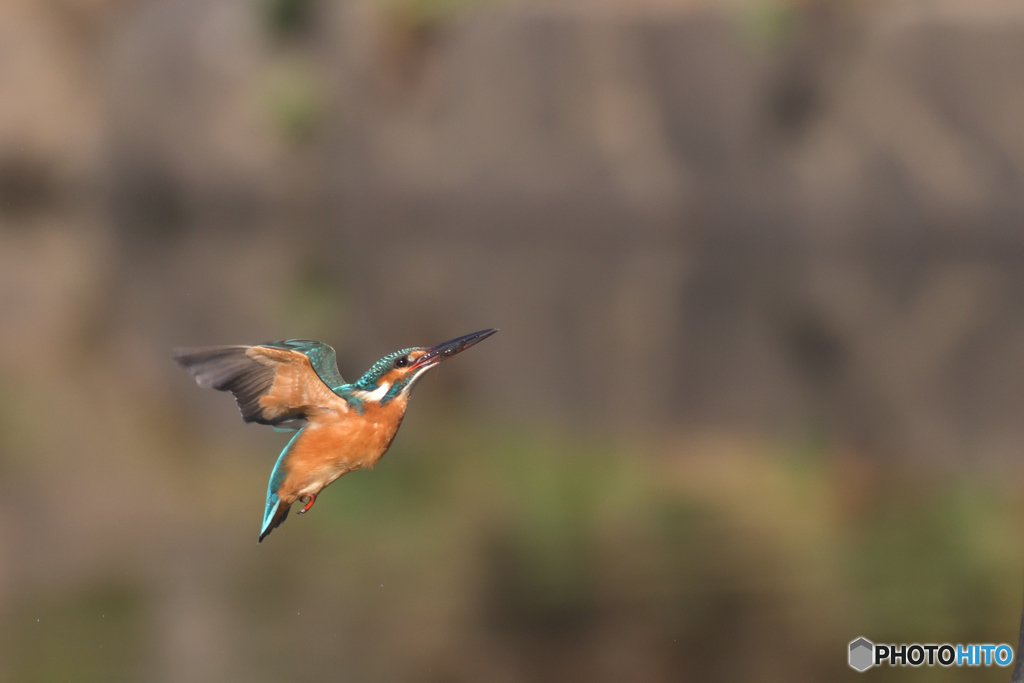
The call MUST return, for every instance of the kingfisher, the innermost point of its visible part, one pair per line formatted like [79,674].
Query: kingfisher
[295,385]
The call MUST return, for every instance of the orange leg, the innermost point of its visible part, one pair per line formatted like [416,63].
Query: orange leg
[309,504]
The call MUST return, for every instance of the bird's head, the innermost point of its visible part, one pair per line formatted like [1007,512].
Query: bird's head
[395,374]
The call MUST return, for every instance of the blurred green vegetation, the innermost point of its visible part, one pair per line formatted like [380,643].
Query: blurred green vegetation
[717,560]
[425,13]
[772,23]
[294,98]
[287,17]
[481,550]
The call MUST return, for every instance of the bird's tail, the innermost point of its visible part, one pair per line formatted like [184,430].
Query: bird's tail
[274,517]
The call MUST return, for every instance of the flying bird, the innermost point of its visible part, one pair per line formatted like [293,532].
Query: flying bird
[339,426]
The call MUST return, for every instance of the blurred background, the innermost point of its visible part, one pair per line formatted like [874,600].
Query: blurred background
[759,271]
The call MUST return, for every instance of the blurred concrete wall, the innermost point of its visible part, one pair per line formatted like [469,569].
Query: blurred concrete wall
[804,217]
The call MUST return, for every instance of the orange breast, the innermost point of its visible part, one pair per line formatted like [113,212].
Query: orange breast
[328,448]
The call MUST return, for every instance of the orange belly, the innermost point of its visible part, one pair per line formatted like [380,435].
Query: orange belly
[326,450]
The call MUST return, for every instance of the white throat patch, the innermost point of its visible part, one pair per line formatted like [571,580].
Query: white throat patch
[375,395]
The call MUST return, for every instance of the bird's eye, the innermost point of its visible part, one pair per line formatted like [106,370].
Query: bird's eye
[401,362]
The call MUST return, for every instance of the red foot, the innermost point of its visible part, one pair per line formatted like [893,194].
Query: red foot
[305,509]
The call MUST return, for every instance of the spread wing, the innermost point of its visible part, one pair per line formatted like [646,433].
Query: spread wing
[273,383]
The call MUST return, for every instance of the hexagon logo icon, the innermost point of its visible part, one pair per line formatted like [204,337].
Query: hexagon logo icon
[862,654]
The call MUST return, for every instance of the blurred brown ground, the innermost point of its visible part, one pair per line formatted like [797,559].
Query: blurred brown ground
[758,268]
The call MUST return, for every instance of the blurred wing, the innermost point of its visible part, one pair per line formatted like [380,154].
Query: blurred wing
[273,383]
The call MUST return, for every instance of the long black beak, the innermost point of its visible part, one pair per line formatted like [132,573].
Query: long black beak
[447,349]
